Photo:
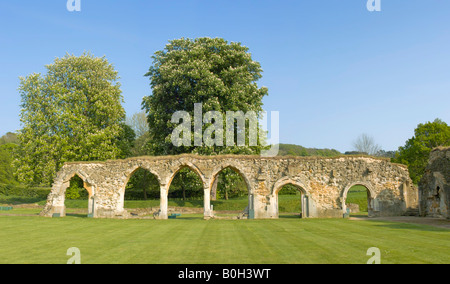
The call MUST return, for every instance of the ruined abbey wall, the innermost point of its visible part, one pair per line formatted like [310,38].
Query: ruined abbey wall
[323,182]
[434,187]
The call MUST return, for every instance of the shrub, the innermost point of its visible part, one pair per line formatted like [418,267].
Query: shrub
[73,192]
[24,191]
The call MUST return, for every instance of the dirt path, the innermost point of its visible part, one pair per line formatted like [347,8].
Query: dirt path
[436,222]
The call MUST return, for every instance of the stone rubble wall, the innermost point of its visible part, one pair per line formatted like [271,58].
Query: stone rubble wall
[323,182]
[434,187]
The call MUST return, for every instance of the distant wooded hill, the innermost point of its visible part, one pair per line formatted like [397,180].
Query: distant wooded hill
[296,150]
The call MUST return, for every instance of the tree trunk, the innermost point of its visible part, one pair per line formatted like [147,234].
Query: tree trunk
[145,194]
[145,183]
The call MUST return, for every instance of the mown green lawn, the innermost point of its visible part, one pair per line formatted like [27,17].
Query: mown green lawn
[193,240]
[190,239]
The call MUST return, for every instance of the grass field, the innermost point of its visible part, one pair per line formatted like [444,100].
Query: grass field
[192,240]
[358,195]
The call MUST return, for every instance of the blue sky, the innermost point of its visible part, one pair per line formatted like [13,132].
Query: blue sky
[334,70]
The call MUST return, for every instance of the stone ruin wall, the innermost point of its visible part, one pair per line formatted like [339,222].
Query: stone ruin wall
[434,187]
[324,183]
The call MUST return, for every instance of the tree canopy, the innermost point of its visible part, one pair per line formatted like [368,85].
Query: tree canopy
[223,77]
[74,112]
[416,151]
[220,75]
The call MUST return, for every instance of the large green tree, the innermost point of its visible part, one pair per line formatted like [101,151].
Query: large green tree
[8,143]
[74,112]
[6,158]
[138,122]
[222,76]
[416,151]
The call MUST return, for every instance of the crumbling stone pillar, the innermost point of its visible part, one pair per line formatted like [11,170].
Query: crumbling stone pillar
[434,187]
[164,203]
[207,203]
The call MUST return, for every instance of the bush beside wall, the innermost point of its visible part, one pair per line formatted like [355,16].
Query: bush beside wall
[24,191]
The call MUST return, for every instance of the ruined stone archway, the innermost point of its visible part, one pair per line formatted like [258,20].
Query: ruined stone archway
[306,201]
[324,181]
[235,168]
[371,197]
[127,176]
[165,187]
[190,166]
[57,197]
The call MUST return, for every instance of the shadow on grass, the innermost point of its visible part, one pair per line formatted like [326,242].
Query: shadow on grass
[418,227]
[289,216]
[76,215]
[190,217]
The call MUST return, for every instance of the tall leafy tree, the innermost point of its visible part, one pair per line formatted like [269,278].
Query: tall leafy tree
[9,137]
[220,75]
[8,143]
[416,151]
[6,158]
[138,122]
[73,112]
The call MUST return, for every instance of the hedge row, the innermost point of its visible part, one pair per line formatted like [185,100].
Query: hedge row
[130,194]
[138,194]
[24,191]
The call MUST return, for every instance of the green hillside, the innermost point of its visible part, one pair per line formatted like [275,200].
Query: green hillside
[296,150]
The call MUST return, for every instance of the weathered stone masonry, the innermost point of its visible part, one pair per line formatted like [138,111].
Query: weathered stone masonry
[323,182]
[434,187]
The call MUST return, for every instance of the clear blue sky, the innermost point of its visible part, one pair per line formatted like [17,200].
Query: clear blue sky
[334,70]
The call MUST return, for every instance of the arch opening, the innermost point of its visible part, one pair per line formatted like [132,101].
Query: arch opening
[78,195]
[357,200]
[185,185]
[230,194]
[185,194]
[292,200]
[142,192]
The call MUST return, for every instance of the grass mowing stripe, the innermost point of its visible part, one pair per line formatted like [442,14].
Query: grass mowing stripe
[46,240]
[396,240]
[431,245]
